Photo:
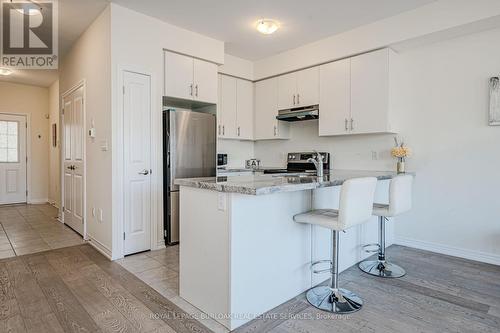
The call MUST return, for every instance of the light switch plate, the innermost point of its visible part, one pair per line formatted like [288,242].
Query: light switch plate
[104,145]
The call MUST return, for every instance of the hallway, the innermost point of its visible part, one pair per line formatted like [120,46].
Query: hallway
[29,229]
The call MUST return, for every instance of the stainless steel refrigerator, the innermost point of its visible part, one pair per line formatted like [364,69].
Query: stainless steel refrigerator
[189,150]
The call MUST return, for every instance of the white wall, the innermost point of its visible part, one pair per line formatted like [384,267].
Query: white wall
[238,67]
[54,152]
[237,151]
[440,18]
[138,42]
[442,98]
[32,101]
[90,60]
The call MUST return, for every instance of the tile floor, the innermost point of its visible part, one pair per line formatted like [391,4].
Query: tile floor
[160,270]
[28,229]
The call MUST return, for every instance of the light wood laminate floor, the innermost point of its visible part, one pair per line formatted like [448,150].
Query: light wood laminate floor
[28,229]
[439,294]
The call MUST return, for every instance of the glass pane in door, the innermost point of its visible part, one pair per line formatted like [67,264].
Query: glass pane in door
[9,146]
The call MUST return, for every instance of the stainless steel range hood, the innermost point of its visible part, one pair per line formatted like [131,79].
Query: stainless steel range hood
[299,114]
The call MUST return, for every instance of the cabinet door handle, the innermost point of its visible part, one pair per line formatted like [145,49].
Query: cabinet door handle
[219,129]
[298,99]
[346,122]
[274,130]
[294,99]
[223,130]
[239,131]
[352,124]
[191,89]
[196,89]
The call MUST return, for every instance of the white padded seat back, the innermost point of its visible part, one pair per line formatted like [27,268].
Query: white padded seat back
[356,201]
[400,195]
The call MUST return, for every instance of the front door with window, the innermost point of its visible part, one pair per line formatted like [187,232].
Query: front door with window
[12,159]
[73,152]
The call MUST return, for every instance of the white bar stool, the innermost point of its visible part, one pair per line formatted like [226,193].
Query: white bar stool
[400,190]
[355,207]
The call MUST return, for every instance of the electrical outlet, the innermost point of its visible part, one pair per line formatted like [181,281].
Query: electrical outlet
[221,202]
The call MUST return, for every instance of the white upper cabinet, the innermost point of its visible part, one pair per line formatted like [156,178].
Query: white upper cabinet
[244,110]
[355,95]
[267,127]
[235,111]
[190,79]
[335,98]
[205,81]
[298,89]
[370,92]
[308,87]
[226,110]
[287,91]
[178,76]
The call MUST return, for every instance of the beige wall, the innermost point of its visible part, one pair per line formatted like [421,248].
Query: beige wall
[90,60]
[32,101]
[54,162]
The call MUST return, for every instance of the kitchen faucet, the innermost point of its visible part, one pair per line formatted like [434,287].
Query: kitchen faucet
[318,163]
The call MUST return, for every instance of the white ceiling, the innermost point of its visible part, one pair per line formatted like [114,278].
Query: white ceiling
[74,18]
[302,22]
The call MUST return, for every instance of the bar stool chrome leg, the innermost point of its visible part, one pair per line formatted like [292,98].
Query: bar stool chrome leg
[332,298]
[381,267]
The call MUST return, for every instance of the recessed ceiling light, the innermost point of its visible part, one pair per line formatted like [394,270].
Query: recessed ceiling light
[5,71]
[267,27]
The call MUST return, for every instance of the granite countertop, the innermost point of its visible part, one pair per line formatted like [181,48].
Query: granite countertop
[258,184]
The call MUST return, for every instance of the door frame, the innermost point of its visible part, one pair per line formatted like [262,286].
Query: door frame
[81,84]
[27,117]
[118,244]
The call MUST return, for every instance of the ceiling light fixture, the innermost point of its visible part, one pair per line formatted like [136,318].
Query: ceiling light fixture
[267,27]
[5,71]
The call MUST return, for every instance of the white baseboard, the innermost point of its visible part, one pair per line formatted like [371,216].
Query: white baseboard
[103,249]
[160,245]
[449,250]
[38,201]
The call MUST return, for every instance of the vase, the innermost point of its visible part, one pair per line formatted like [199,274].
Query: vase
[401,167]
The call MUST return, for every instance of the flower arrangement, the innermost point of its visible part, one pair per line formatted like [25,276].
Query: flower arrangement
[401,152]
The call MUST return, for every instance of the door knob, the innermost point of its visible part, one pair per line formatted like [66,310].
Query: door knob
[144,172]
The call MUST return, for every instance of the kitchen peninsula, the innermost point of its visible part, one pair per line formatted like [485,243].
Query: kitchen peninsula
[241,253]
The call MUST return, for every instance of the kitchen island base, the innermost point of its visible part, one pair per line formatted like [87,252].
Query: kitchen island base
[242,255]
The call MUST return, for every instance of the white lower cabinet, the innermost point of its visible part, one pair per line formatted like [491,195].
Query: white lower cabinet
[355,95]
[267,127]
[235,109]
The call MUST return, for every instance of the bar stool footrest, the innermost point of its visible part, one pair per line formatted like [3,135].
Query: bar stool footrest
[371,248]
[319,271]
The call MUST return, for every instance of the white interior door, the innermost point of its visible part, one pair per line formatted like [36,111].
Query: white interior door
[74,175]
[137,152]
[12,159]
